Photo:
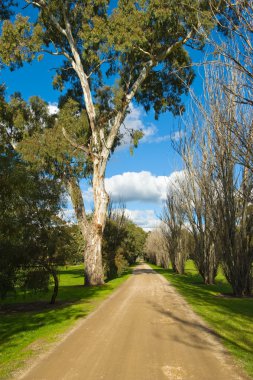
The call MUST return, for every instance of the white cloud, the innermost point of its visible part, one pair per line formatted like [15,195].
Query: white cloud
[160,139]
[140,186]
[178,135]
[53,108]
[133,122]
[145,219]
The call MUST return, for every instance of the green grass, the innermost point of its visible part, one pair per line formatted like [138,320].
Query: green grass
[231,318]
[30,326]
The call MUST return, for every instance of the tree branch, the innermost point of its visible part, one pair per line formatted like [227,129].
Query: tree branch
[42,4]
[78,67]
[142,76]
[74,143]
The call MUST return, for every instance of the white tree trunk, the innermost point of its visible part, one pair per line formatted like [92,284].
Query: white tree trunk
[94,274]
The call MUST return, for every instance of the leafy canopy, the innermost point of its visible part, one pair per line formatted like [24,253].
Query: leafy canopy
[114,44]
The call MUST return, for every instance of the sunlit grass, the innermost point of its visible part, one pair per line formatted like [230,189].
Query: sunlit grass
[27,329]
[231,318]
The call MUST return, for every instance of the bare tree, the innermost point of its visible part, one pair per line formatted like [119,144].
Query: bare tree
[218,194]
[232,53]
[174,233]
[234,185]
[155,249]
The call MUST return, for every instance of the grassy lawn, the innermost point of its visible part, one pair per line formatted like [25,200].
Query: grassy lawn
[28,323]
[231,318]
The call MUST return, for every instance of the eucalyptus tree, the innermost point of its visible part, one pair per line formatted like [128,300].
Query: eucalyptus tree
[112,55]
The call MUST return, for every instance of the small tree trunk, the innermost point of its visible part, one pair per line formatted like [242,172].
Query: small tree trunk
[180,262]
[56,286]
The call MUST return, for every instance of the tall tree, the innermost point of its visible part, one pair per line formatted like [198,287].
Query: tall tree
[111,56]
[218,191]
[174,231]
[233,49]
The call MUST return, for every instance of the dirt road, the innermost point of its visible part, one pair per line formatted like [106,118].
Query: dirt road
[144,331]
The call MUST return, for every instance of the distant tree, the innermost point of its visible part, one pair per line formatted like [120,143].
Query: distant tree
[112,55]
[173,231]
[156,248]
[114,234]
[123,241]
[133,244]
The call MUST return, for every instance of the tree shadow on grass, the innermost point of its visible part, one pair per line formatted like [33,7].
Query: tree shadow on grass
[23,319]
[73,272]
[232,317]
[191,285]
[192,337]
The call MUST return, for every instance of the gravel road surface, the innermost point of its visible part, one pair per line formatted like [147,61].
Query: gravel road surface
[144,331]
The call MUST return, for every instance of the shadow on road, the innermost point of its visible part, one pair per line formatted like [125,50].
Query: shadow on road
[143,271]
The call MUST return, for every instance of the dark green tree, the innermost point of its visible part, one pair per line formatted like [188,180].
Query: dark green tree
[32,237]
[123,242]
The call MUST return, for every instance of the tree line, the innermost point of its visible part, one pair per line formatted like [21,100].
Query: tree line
[208,215]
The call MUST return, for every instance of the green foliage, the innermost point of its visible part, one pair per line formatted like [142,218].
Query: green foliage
[125,37]
[123,243]
[21,120]
[77,246]
[31,234]
[114,234]
[134,242]
[38,135]
[20,41]
[6,9]
[35,279]
[41,138]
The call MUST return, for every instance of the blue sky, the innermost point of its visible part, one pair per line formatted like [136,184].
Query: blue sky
[140,180]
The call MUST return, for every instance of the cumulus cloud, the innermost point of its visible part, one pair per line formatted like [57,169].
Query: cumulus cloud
[140,186]
[178,135]
[145,219]
[160,139]
[143,187]
[133,122]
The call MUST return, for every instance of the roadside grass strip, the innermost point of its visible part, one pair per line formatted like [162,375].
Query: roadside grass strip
[28,324]
[231,318]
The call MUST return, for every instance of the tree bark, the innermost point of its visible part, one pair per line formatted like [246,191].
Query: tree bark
[93,270]
[94,273]
[78,204]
